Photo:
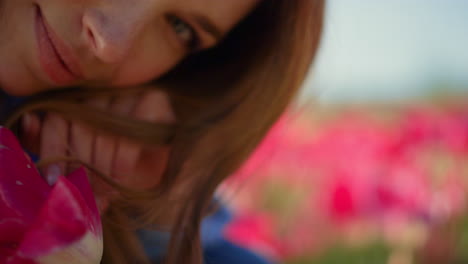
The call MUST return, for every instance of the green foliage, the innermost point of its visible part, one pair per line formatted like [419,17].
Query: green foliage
[461,251]
[373,254]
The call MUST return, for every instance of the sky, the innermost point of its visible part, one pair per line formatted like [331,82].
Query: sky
[390,50]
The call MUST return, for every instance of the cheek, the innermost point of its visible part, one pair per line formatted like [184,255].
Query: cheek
[137,74]
[145,68]
[152,57]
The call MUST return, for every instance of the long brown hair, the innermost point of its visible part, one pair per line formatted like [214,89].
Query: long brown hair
[225,99]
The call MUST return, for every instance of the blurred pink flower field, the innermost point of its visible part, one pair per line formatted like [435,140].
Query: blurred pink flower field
[354,177]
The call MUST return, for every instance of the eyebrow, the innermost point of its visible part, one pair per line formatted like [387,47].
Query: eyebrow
[207,25]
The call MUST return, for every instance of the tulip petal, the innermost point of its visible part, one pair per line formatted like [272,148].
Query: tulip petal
[12,231]
[18,260]
[43,224]
[79,178]
[61,222]
[9,140]
[22,189]
[88,250]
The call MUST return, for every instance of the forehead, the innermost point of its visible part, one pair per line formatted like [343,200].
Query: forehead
[225,13]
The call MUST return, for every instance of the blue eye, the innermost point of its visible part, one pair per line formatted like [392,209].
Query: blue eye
[184,31]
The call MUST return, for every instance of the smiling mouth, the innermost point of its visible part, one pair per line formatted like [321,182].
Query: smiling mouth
[55,58]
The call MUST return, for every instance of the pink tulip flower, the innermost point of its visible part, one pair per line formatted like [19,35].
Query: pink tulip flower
[256,232]
[41,223]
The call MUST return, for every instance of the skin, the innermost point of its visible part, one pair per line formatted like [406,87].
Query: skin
[116,43]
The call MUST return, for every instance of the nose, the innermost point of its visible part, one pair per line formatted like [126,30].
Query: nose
[110,32]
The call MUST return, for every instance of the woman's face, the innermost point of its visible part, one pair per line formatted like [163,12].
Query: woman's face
[50,44]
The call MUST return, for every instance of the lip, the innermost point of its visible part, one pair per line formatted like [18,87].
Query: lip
[55,57]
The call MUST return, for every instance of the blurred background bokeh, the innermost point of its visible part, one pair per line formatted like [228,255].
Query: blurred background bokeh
[371,164]
[378,50]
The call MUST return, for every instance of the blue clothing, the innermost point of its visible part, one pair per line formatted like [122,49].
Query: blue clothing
[216,248]
[225,252]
